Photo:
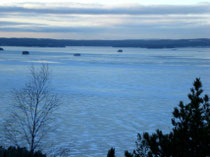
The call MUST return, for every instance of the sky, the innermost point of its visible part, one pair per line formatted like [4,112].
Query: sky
[105,19]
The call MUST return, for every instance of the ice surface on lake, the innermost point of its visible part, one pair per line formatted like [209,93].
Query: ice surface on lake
[108,97]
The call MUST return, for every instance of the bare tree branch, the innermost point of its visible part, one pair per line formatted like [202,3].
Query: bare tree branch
[32,111]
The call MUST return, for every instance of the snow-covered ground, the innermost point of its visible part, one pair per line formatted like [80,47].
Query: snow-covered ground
[108,97]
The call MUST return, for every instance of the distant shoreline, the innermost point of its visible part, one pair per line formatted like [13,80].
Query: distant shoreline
[135,43]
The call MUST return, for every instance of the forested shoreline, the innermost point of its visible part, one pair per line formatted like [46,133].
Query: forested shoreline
[150,43]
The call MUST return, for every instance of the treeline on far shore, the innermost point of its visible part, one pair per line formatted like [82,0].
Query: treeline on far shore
[140,43]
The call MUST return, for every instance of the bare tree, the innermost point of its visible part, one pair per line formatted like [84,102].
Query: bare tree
[32,111]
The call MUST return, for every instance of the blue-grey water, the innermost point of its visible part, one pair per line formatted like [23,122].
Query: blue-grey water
[108,97]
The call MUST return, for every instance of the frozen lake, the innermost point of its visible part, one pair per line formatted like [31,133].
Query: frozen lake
[109,97]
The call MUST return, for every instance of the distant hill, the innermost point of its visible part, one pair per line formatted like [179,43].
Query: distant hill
[155,43]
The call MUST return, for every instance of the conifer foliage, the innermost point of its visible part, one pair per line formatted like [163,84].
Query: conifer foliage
[111,152]
[18,152]
[190,135]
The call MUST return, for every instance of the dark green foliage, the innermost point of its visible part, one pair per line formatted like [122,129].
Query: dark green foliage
[18,152]
[111,152]
[191,124]
[142,148]
[191,133]
[127,154]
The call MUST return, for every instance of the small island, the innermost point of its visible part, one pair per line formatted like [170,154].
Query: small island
[120,50]
[1,49]
[25,53]
[77,54]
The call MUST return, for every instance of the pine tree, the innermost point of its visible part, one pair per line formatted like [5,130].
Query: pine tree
[191,124]
[111,152]
[191,133]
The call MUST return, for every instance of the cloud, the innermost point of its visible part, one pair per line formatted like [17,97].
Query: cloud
[3,23]
[52,29]
[14,23]
[122,32]
[101,10]
[105,22]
